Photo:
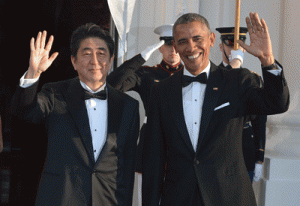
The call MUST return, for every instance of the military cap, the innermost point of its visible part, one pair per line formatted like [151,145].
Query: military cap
[165,32]
[227,34]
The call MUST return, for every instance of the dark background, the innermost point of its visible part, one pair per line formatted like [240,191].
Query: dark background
[22,160]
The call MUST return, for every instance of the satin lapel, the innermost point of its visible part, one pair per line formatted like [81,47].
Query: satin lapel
[77,108]
[214,88]
[174,94]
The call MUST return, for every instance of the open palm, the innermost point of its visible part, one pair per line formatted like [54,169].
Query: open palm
[260,41]
[39,56]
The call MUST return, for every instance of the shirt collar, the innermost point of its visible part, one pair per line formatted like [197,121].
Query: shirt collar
[207,70]
[86,87]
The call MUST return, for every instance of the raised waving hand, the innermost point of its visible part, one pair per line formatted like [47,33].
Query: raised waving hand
[260,41]
[39,55]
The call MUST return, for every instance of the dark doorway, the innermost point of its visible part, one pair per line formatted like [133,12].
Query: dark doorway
[22,161]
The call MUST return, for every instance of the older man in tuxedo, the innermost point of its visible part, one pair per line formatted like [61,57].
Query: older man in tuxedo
[92,128]
[193,148]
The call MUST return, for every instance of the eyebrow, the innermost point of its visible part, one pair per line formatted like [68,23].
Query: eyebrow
[99,48]
[196,36]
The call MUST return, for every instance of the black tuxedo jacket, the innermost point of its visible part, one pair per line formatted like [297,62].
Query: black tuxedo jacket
[254,135]
[71,175]
[215,174]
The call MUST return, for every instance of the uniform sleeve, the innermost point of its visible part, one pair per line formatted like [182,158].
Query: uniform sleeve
[124,78]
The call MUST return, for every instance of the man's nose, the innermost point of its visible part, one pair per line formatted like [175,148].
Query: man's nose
[190,46]
[94,59]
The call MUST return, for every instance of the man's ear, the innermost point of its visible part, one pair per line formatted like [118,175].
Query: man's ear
[73,60]
[212,38]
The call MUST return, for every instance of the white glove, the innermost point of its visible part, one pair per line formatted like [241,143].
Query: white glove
[237,54]
[258,172]
[150,49]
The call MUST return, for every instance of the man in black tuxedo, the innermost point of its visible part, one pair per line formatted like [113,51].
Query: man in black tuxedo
[193,146]
[92,128]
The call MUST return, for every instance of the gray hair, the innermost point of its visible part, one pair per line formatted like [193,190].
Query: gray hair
[191,17]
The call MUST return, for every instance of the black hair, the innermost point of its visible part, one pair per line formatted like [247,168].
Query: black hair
[90,30]
[191,17]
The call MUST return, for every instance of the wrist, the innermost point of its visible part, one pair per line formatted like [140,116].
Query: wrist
[32,74]
[235,63]
[236,55]
[267,61]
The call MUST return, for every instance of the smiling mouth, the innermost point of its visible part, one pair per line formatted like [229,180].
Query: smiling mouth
[194,56]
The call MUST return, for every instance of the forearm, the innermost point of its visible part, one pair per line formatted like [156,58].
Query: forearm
[31,106]
[124,78]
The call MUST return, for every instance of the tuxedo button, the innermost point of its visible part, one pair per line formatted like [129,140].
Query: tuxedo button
[197,162]
[94,171]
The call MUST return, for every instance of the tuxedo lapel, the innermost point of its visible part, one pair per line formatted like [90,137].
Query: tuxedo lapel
[214,88]
[77,108]
[174,94]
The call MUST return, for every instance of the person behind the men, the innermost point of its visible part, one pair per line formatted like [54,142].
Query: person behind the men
[254,133]
[193,145]
[92,128]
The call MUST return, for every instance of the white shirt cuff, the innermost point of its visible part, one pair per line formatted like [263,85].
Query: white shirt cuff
[24,83]
[276,72]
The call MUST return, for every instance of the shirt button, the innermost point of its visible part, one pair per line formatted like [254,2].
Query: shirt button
[95,150]
[95,130]
[94,108]
[196,100]
[195,122]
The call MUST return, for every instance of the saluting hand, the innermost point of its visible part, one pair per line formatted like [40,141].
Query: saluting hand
[39,55]
[260,41]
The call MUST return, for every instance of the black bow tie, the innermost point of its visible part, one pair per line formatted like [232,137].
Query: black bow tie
[99,95]
[202,78]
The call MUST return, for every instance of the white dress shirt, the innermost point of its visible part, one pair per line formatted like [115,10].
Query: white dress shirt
[97,114]
[193,97]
